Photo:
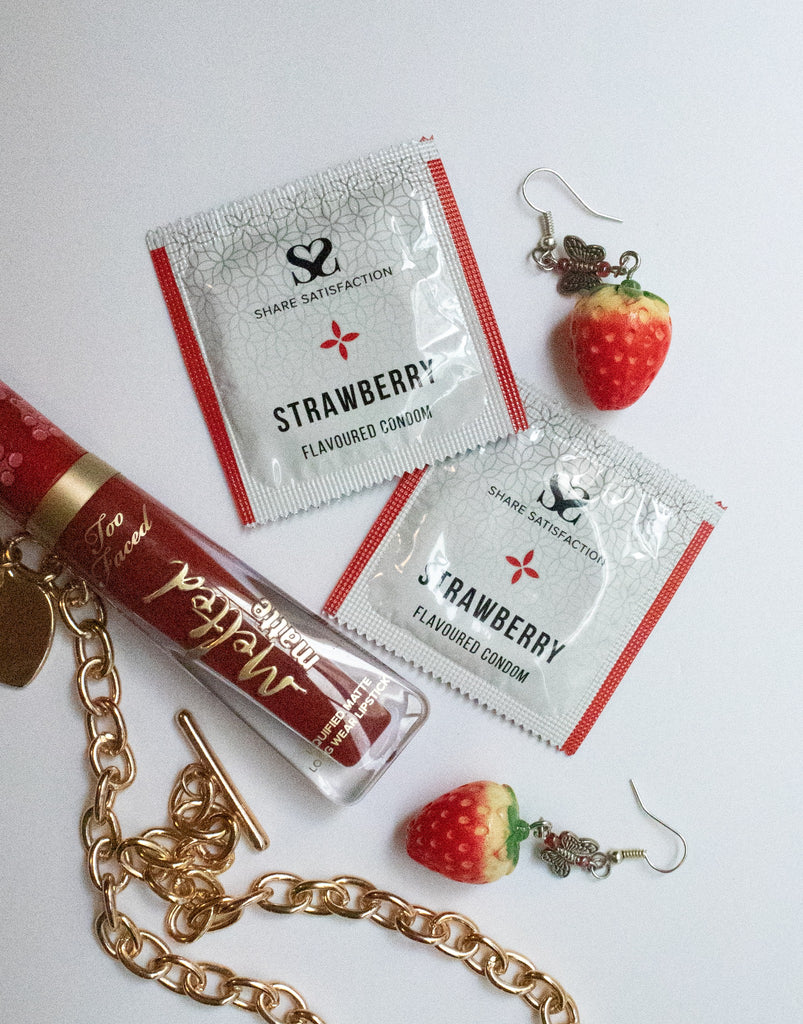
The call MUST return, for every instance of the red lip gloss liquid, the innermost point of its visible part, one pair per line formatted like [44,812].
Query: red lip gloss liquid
[333,711]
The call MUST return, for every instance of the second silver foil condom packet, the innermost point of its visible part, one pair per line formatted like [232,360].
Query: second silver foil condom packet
[528,573]
[337,331]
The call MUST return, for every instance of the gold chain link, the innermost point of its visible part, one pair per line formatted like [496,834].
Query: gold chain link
[182,861]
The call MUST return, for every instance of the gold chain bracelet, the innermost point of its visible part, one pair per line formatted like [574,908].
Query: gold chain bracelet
[182,861]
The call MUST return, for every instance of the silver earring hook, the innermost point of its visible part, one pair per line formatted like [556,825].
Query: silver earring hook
[546,213]
[664,871]
[548,241]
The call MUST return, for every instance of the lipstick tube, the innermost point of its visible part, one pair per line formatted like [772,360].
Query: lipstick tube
[332,710]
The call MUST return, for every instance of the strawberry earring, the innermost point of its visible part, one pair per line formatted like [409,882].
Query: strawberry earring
[620,333]
[473,834]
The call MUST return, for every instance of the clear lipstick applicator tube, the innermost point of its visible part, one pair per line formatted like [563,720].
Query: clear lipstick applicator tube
[331,709]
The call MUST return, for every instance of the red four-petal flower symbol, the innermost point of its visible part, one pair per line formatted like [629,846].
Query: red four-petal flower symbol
[339,340]
[522,566]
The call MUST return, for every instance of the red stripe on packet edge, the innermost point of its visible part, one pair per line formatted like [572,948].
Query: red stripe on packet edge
[482,304]
[635,643]
[201,382]
[395,503]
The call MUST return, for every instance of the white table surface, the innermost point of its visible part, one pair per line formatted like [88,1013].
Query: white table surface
[680,118]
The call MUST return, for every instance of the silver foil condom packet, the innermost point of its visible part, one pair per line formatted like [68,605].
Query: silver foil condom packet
[337,331]
[528,573]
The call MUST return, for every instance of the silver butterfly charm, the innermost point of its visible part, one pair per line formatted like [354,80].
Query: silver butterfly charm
[582,273]
[565,851]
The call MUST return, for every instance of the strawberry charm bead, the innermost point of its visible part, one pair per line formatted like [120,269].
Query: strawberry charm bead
[620,336]
[471,834]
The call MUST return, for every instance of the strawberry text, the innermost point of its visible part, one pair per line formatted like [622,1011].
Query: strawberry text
[349,397]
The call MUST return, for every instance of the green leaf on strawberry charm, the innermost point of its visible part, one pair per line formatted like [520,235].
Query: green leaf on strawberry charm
[620,335]
[471,834]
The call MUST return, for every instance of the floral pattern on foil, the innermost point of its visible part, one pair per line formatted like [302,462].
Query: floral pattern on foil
[473,517]
[234,261]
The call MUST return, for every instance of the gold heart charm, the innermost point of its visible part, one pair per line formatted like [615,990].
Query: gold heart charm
[26,627]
